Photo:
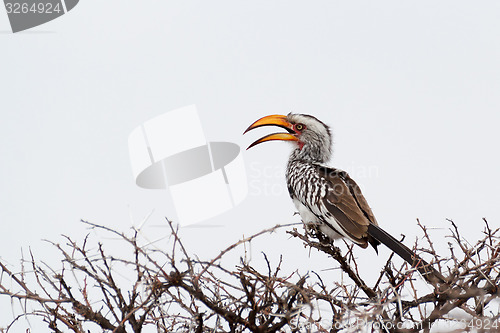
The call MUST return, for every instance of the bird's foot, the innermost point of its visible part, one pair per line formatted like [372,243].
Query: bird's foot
[312,230]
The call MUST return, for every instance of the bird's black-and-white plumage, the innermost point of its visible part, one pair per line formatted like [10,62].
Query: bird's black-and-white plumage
[329,197]
[318,192]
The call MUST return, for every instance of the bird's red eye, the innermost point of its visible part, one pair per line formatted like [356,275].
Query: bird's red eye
[300,127]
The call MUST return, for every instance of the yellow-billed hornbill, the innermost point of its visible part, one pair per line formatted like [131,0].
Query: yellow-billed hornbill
[328,197]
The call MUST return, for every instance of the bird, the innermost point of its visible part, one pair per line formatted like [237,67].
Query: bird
[328,197]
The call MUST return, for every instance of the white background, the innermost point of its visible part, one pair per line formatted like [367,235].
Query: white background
[411,90]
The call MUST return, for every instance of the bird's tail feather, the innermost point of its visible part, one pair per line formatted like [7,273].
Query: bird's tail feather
[427,271]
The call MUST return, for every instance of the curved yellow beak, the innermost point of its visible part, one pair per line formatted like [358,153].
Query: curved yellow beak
[273,120]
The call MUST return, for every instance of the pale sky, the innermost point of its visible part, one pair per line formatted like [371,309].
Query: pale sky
[410,89]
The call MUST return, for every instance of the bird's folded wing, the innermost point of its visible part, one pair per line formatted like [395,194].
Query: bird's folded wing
[347,204]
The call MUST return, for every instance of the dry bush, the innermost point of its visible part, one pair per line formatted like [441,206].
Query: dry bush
[174,291]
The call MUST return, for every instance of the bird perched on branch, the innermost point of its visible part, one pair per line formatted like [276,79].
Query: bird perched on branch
[328,197]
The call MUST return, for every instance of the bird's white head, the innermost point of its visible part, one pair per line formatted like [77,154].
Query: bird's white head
[312,138]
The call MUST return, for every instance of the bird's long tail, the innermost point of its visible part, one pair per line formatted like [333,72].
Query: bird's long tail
[428,272]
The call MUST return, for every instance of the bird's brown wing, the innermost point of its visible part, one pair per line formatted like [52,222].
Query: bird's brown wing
[350,210]
[347,204]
